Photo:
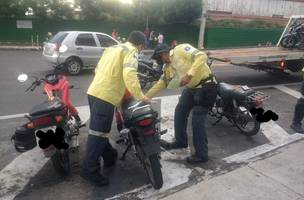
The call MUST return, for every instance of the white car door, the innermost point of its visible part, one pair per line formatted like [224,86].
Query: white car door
[87,49]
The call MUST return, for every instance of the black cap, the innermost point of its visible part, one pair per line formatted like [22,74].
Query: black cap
[160,48]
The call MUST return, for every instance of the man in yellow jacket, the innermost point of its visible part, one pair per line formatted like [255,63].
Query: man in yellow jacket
[116,71]
[186,66]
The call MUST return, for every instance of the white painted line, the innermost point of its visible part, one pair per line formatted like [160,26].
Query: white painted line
[289,91]
[252,154]
[12,116]
[275,85]
[274,133]
[15,176]
[79,108]
[277,136]
[168,104]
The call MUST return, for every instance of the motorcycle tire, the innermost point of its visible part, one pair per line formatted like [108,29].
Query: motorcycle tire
[248,132]
[61,162]
[153,169]
[288,41]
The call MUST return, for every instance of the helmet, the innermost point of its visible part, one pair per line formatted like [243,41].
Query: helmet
[160,48]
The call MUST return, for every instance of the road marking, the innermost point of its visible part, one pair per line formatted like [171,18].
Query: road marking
[277,137]
[274,86]
[252,154]
[289,91]
[15,176]
[79,108]
[12,116]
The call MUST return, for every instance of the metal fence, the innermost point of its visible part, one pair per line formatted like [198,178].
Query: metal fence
[215,37]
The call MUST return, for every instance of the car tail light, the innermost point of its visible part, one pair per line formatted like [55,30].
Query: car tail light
[149,132]
[42,121]
[57,47]
[145,122]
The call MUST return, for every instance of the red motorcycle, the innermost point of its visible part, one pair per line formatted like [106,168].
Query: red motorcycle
[55,122]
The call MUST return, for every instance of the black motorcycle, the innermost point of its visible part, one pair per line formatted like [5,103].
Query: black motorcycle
[235,102]
[148,73]
[140,131]
[295,36]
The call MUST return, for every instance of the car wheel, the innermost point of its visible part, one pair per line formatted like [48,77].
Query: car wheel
[74,66]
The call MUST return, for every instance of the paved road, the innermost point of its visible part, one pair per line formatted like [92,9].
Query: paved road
[224,140]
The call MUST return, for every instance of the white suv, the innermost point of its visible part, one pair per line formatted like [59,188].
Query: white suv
[77,49]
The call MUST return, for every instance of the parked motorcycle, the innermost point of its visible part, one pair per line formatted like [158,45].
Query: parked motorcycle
[295,36]
[235,102]
[138,126]
[56,113]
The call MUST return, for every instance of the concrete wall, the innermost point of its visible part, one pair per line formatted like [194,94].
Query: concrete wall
[258,7]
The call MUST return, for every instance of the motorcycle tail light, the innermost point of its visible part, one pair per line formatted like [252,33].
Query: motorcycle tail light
[59,118]
[258,102]
[42,121]
[145,122]
[282,65]
[149,132]
[30,125]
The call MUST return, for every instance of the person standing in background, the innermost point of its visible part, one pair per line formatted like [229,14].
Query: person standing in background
[160,38]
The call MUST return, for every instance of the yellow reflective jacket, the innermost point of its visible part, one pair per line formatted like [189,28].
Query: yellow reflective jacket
[116,71]
[185,59]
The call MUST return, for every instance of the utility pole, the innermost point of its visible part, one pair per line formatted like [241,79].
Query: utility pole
[203,25]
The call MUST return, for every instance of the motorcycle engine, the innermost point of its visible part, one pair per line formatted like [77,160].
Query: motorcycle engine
[72,133]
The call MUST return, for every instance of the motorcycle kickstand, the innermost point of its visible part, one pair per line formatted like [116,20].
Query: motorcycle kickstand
[217,121]
[125,152]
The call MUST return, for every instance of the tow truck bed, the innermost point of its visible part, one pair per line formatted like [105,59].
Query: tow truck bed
[245,56]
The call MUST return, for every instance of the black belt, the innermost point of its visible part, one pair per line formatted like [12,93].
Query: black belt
[210,78]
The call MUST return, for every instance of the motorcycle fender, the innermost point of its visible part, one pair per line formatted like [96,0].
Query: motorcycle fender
[151,145]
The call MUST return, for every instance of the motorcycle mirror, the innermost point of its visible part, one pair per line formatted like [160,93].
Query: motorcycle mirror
[22,78]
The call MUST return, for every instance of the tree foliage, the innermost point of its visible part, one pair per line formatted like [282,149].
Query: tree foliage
[158,11]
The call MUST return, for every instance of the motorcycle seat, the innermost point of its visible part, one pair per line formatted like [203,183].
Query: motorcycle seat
[133,112]
[239,92]
[47,107]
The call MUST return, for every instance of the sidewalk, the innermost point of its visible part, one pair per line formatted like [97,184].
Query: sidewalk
[278,177]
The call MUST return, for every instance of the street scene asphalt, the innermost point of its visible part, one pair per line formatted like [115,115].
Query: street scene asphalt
[229,150]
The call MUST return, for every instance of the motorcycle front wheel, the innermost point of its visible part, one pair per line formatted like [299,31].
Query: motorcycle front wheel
[153,169]
[288,41]
[61,162]
[246,123]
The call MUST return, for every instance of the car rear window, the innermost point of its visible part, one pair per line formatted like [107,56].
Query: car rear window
[58,38]
[85,39]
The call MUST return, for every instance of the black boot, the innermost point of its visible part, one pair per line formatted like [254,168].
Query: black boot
[172,145]
[91,165]
[196,160]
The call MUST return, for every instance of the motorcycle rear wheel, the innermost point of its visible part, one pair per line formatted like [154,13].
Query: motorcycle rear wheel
[241,122]
[61,162]
[153,169]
